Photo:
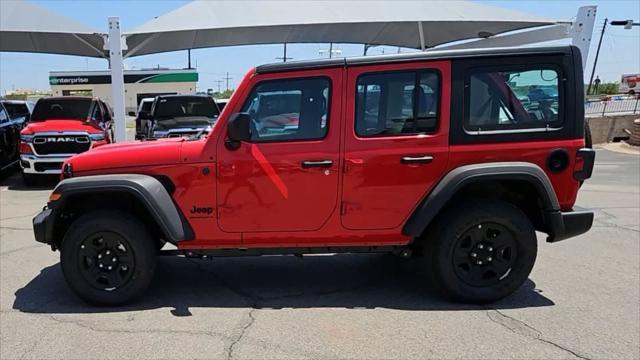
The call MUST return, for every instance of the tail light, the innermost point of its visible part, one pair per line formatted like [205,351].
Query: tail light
[583,167]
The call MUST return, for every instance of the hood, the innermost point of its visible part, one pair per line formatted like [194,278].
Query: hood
[127,155]
[60,126]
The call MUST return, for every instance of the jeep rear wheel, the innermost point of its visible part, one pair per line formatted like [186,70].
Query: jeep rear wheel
[107,258]
[480,252]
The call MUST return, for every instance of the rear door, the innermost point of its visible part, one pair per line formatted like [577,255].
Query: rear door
[286,177]
[396,140]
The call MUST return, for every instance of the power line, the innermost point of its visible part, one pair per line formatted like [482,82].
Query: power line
[218,82]
[227,78]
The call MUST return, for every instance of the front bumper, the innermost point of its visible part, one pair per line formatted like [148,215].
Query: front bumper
[34,164]
[564,225]
[43,227]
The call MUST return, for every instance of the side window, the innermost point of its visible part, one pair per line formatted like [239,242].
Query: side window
[97,113]
[519,99]
[289,109]
[400,103]
[3,115]
[107,112]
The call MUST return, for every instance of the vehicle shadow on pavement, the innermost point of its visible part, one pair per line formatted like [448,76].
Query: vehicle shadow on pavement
[13,181]
[339,281]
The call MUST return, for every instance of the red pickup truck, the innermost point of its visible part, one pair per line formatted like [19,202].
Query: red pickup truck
[59,128]
[441,155]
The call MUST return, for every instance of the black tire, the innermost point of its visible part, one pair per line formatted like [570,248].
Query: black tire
[30,179]
[119,236]
[475,228]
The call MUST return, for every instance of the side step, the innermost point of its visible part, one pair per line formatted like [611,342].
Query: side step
[297,251]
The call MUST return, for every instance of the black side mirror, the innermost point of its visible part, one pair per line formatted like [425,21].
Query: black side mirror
[238,129]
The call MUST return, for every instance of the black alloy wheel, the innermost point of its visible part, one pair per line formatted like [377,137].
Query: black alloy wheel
[485,254]
[106,261]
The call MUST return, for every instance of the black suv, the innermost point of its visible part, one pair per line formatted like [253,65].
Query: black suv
[181,115]
[13,115]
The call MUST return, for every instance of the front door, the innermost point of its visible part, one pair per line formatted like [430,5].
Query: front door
[286,177]
[396,141]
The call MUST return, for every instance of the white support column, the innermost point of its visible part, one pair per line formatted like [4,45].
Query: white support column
[421,34]
[582,29]
[115,47]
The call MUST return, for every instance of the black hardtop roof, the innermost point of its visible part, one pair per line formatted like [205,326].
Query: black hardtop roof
[410,57]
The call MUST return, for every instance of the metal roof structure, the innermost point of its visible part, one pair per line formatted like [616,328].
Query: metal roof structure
[25,27]
[412,24]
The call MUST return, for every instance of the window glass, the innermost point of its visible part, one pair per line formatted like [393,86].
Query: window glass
[107,112]
[61,108]
[513,99]
[16,110]
[97,114]
[289,109]
[174,107]
[392,104]
[3,115]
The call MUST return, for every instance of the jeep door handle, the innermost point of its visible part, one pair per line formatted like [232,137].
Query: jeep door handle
[319,163]
[427,159]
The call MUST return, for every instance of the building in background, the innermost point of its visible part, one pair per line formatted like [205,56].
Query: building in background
[138,84]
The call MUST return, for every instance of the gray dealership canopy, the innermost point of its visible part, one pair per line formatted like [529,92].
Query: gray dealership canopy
[30,28]
[412,24]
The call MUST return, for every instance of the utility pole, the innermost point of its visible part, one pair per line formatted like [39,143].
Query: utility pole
[219,82]
[227,78]
[284,57]
[595,61]
[189,58]
[330,50]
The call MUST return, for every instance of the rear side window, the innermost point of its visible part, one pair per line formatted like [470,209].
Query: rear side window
[513,99]
[399,103]
[289,109]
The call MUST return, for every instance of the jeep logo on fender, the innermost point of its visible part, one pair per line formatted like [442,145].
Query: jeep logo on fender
[201,210]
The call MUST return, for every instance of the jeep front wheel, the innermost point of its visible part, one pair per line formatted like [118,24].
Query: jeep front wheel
[107,258]
[481,252]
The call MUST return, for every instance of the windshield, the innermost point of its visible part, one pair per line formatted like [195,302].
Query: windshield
[68,109]
[185,106]
[16,110]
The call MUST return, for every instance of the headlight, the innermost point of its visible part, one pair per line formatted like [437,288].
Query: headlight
[26,138]
[96,137]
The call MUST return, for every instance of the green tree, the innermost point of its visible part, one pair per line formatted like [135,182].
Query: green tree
[224,94]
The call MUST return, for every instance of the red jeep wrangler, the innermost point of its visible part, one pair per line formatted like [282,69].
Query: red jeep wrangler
[457,157]
[61,127]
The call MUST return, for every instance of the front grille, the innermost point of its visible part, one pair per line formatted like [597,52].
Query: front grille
[44,166]
[61,144]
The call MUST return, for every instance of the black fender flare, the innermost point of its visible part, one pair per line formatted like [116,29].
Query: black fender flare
[147,189]
[458,178]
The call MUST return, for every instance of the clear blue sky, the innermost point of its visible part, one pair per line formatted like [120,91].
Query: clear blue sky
[620,50]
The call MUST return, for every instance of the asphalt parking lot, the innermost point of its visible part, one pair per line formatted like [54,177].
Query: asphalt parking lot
[582,299]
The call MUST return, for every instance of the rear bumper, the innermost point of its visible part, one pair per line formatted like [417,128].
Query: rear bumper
[564,225]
